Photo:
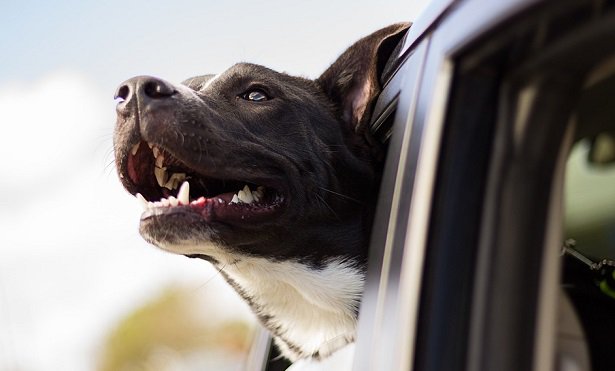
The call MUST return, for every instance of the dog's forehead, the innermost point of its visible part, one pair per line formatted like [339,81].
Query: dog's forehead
[196,82]
[240,73]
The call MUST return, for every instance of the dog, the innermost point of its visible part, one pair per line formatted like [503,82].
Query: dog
[271,178]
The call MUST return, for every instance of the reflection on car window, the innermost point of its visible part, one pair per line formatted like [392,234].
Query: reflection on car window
[589,225]
[590,196]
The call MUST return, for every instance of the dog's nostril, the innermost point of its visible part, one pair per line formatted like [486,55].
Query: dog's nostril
[143,89]
[158,89]
[122,93]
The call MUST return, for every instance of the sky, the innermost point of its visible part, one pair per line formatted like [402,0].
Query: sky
[71,260]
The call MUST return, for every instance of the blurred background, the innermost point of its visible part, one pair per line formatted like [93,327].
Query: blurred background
[79,289]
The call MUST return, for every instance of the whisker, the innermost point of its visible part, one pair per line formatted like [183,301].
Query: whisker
[218,272]
[341,195]
[319,197]
[108,169]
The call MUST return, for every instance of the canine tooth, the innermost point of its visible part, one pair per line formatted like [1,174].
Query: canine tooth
[235,200]
[183,196]
[159,161]
[135,148]
[142,201]
[173,201]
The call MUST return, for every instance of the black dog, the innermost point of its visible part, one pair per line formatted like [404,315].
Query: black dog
[269,177]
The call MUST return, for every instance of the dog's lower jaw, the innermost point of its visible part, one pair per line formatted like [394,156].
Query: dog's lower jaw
[311,312]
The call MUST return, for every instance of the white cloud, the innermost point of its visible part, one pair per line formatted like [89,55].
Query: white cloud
[48,126]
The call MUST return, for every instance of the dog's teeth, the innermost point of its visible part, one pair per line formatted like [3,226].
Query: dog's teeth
[159,161]
[135,148]
[200,201]
[245,195]
[259,193]
[156,152]
[174,180]
[150,145]
[235,200]
[142,201]
[184,193]
[161,175]
[173,201]
[164,202]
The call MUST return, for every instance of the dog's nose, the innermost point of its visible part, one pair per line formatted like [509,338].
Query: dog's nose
[142,89]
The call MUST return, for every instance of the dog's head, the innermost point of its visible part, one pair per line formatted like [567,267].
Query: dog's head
[253,161]
[269,176]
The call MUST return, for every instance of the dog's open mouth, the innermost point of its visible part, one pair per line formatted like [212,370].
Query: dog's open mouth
[165,185]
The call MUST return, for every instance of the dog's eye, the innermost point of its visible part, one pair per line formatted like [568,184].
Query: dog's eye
[255,96]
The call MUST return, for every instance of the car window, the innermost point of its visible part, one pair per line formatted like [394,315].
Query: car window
[589,225]
[493,297]
[590,196]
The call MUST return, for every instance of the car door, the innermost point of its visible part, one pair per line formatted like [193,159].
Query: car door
[472,278]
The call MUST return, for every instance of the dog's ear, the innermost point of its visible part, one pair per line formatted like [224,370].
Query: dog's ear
[352,81]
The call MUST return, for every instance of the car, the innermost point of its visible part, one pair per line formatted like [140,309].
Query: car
[495,225]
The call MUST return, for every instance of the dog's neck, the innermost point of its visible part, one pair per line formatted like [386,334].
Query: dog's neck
[311,311]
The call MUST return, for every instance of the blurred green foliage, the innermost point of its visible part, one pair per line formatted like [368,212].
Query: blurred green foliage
[172,328]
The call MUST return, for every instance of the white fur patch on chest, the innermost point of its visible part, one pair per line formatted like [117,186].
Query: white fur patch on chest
[312,308]
[312,311]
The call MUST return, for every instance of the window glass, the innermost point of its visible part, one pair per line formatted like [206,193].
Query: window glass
[590,196]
